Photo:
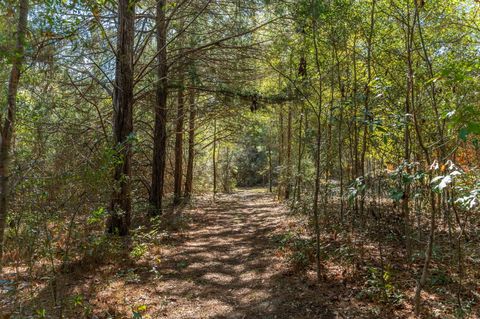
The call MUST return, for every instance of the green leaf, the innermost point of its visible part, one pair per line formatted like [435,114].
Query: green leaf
[406,178]
[471,128]
[97,216]
[396,194]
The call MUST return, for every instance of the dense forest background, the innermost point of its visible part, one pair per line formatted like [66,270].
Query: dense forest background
[362,117]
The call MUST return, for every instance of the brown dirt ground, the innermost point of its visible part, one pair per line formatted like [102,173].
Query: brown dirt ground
[226,266]
[222,264]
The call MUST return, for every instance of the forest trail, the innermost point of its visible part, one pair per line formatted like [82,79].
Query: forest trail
[225,266]
[212,260]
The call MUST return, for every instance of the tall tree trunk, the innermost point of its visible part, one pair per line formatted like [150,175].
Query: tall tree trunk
[9,121]
[439,127]
[178,171]
[341,86]
[160,129]
[226,172]
[428,255]
[298,178]
[329,159]
[316,214]
[316,193]
[367,116]
[409,105]
[270,166]
[191,145]
[356,128]
[289,154]
[439,124]
[121,202]
[281,153]
[214,159]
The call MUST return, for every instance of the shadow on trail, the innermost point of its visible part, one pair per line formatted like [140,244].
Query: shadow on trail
[227,266]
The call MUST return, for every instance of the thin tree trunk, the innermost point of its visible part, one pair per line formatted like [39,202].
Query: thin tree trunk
[9,122]
[121,202]
[178,170]
[432,85]
[429,250]
[367,116]
[214,159]
[356,129]
[316,214]
[328,168]
[341,86]
[281,154]
[409,104]
[160,129]
[226,172]
[191,145]
[289,154]
[298,180]
[428,255]
[270,164]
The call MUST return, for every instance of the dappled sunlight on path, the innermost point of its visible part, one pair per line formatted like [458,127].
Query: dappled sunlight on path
[223,262]
[229,266]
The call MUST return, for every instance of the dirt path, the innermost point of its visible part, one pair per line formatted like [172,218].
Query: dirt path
[226,266]
[222,264]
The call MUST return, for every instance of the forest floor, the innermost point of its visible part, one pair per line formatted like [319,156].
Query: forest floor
[221,261]
[227,266]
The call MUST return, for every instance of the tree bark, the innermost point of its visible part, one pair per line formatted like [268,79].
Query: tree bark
[431,238]
[214,159]
[316,213]
[270,165]
[9,121]
[281,153]
[367,116]
[178,170]
[191,145]
[160,129]
[341,86]
[288,183]
[409,105]
[297,191]
[121,202]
